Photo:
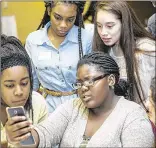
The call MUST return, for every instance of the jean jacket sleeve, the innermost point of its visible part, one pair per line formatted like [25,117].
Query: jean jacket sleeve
[29,47]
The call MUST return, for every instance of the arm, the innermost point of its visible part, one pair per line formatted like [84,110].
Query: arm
[48,133]
[29,47]
[4,141]
[146,62]
[137,131]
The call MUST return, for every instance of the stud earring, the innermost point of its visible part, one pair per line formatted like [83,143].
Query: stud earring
[111,86]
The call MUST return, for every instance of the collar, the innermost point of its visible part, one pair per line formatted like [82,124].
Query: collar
[42,38]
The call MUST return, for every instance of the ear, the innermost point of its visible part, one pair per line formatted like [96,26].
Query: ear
[111,80]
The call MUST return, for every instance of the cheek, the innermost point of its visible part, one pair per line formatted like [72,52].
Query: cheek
[6,95]
[27,90]
[116,33]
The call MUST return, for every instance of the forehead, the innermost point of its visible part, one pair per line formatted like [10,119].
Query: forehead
[64,9]
[104,16]
[87,70]
[15,72]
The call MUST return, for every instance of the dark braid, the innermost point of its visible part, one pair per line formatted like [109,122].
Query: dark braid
[78,21]
[106,64]
[12,54]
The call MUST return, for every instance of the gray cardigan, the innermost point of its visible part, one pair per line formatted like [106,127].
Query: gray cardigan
[126,126]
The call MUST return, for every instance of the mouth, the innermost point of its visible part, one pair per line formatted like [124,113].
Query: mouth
[86,98]
[62,32]
[19,101]
[106,39]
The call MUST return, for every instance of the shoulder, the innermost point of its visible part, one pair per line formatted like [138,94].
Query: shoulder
[84,32]
[37,99]
[145,44]
[130,107]
[36,37]
[152,19]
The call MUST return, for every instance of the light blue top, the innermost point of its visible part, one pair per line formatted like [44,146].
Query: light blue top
[55,68]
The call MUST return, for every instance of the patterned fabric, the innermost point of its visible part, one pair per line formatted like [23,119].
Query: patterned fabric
[55,68]
[84,142]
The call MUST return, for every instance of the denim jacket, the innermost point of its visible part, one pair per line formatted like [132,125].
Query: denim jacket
[55,69]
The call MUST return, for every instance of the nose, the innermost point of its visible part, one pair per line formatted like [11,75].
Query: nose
[63,24]
[104,31]
[84,88]
[18,91]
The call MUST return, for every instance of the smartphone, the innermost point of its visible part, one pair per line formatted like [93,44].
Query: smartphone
[19,111]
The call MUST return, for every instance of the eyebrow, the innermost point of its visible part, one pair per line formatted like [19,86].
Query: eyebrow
[61,16]
[85,78]
[14,80]
[106,23]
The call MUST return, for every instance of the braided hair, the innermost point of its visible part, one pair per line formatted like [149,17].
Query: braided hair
[14,54]
[107,65]
[78,21]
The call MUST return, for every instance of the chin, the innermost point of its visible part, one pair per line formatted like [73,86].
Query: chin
[109,44]
[90,105]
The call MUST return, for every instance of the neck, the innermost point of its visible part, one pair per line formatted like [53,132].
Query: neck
[53,36]
[117,51]
[107,106]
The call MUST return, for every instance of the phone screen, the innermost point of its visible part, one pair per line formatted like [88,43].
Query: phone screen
[19,111]
[16,111]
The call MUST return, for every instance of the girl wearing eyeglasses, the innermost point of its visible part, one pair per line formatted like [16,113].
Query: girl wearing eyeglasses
[101,117]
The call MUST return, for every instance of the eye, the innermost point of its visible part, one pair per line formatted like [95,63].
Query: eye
[57,17]
[9,85]
[90,82]
[99,26]
[110,26]
[71,20]
[24,83]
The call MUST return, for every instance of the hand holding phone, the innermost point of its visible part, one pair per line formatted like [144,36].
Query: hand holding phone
[19,111]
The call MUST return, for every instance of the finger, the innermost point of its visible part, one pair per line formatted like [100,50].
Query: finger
[21,132]
[20,125]
[23,137]
[15,119]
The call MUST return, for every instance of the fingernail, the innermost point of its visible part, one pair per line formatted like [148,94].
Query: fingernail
[28,134]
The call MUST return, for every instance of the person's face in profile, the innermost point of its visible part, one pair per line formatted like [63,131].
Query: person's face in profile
[92,93]
[108,27]
[62,18]
[15,86]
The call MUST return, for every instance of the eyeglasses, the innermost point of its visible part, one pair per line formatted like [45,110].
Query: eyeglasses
[88,83]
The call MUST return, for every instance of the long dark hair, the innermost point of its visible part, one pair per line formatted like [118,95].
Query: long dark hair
[78,21]
[12,54]
[131,30]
